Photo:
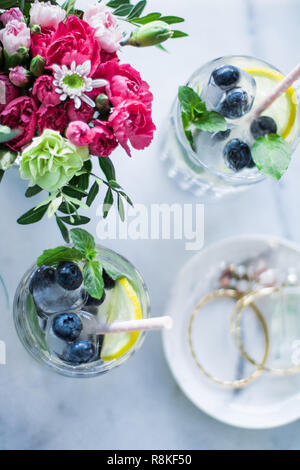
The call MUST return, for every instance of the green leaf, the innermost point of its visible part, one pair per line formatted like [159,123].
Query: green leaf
[108,202]
[146,19]
[33,320]
[138,9]
[74,192]
[82,240]
[6,4]
[54,205]
[1,175]
[68,208]
[76,219]
[76,201]
[172,19]
[117,3]
[210,122]
[121,208]
[88,166]
[93,193]
[33,191]
[33,216]
[46,201]
[93,280]
[178,34]
[69,6]
[107,167]
[127,198]
[114,185]
[54,256]
[7,134]
[190,101]
[112,271]
[83,181]
[63,230]
[123,10]
[272,155]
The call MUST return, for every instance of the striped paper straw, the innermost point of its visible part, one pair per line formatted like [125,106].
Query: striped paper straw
[159,323]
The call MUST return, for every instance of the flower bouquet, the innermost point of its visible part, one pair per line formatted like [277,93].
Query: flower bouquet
[66,101]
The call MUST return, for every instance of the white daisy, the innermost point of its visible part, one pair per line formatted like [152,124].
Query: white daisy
[73,83]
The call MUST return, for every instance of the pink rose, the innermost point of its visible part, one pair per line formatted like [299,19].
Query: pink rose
[74,41]
[14,35]
[85,113]
[40,42]
[44,91]
[104,140]
[8,91]
[107,33]
[20,114]
[52,117]
[10,15]
[132,121]
[46,15]
[124,83]
[19,76]
[79,133]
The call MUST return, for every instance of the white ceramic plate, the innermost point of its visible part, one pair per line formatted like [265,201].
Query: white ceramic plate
[269,401]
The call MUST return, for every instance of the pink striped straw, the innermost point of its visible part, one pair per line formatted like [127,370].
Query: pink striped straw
[279,90]
[158,323]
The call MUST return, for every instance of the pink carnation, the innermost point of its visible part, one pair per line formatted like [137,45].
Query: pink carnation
[8,91]
[41,41]
[79,133]
[46,15]
[20,114]
[84,113]
[132,121]
[104,141]
[52,117]
[107,32]
[19,76]
[14,35]
[10,15]
[124,82]
[44,91]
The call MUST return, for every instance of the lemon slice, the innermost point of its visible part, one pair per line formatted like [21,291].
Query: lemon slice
[284,109]
[124,305]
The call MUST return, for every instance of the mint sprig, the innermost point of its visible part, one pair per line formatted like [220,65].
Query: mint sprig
[272,155]
[196,116]
[84,251]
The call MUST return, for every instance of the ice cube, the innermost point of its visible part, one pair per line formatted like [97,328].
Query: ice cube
[51,298]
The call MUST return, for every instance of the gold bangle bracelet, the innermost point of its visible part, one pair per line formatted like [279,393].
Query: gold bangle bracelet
[244,302]
[259,367]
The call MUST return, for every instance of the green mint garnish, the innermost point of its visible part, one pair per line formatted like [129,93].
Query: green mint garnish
[272,155]
[195,114]
[84,251]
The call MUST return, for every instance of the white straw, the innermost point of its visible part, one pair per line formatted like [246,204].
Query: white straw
[279,90]
[159,323]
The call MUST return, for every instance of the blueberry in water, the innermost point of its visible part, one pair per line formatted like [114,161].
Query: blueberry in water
[93,302]
[226,76]
[109,283]
[42,278]
[67,326]
[235,104]
[69,275]
[237,155]
[263,125]
[221,135]
[79,352]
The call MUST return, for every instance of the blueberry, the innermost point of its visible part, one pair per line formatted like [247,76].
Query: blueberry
[235,104]
[221,135]
[43,277]
[226,76]
[109,283]
[67,326]
[69,276]
[92,302]
[237,155]
[79,352]
[263,125]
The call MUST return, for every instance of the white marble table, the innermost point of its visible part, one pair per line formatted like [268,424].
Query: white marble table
[139,405]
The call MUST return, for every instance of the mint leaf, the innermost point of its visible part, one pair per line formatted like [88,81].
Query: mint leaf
[272,155]
[93,280]
[112,271]
[33,320]
[54,256]
[82,240]
[190,100]
[210,122]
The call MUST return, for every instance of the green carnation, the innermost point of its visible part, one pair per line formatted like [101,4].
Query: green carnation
[51,161]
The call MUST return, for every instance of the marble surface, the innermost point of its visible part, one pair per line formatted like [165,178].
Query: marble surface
[139,405]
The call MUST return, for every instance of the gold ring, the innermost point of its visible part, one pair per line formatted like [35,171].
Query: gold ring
[259,366]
